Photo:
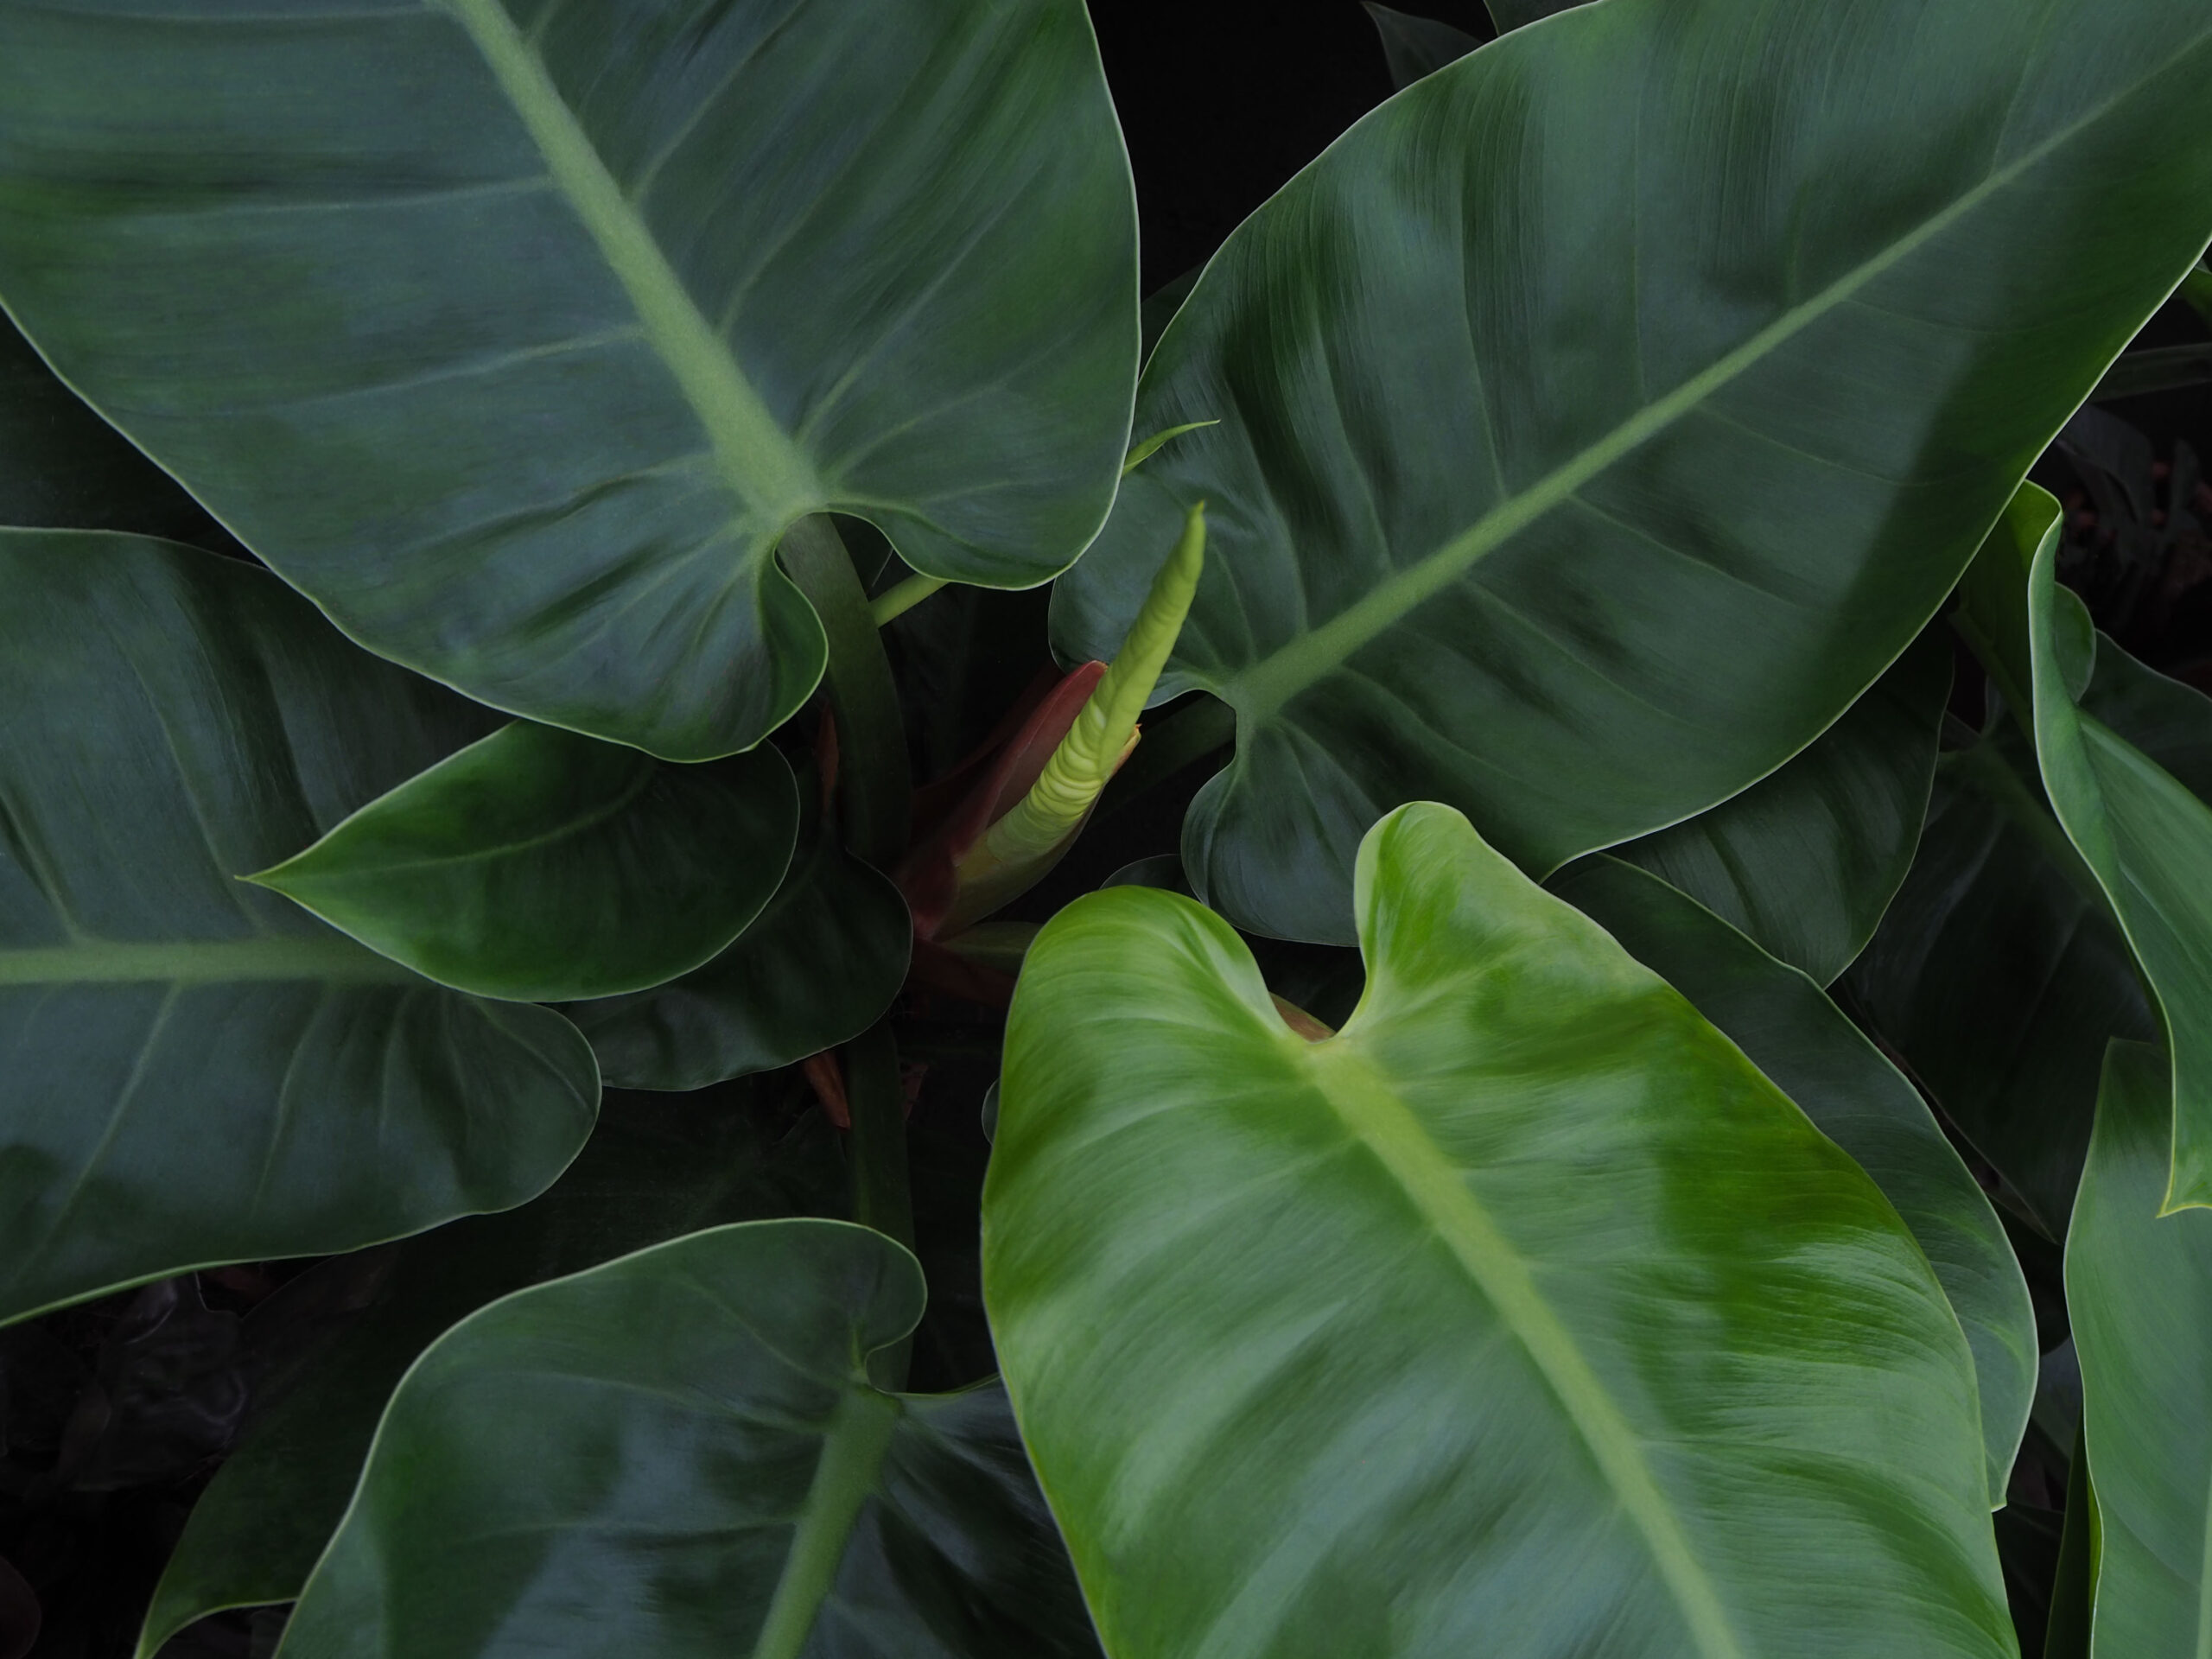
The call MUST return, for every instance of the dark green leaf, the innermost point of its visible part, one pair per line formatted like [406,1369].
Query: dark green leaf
[2144,837]
[818,968]
[1414,47]
[2168,720]
[1448,1334]
[1603,414]
[1518,14]
[679,1454]
[2068,1622]
[654,1169]
[517,333]
[539,865]
[1997,977]
[1162,870]
[2140,1288]
[1819,1058]
[1805,860]
[2164,368]
[199,1071]
[63,467]
[1160,306]
[2028,1544]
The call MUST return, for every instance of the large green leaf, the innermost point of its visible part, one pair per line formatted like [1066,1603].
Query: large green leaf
[2145,839]
[1803,1043]
[654,1169]
[679,1454]
[518,333]
[539,865]
[1523,1317]
[818,968]
[1805,860]
[1997,978]
[2139,1286]
[196,1071]
[1602,415]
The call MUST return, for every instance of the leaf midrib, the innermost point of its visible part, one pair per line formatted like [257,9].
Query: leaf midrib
[302,871]
[334,959]
[853,1451]
[1262,689]
[2204,1581]
[757,457]
[1370,1108]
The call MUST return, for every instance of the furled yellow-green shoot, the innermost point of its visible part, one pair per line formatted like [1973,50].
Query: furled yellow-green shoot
[1018,849]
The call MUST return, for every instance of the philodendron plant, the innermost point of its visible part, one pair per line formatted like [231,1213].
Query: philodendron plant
[546,851]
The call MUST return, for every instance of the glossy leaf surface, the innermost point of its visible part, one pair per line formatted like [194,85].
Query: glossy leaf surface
[679,1454]
[2139,1288]
[517,333]
[653,1170]
[1806,1048]
[2146,838]
[1805,860]
[817,968]
[198,1071]
[1601,416]
[539,865]
[1997,978]
[1523,1317]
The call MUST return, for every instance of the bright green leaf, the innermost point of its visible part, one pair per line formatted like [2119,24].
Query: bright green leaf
[1013,851]
[818,968]
[1810,1050]
[2138,1287]
[1997,975]
[1992,615]
[654,1169]
[1523,1317]
[1805,860]
[1146,449]
[199,1071]
[517,333]
[679,1455]
[539,865]
[1604,412]
[2144,837]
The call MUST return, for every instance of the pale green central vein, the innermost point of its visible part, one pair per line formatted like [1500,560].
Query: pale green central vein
[2203,1584]
[1373,1112]
[852,1457]
[756,456]
[305,870]
[328,960]
[1260,690]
